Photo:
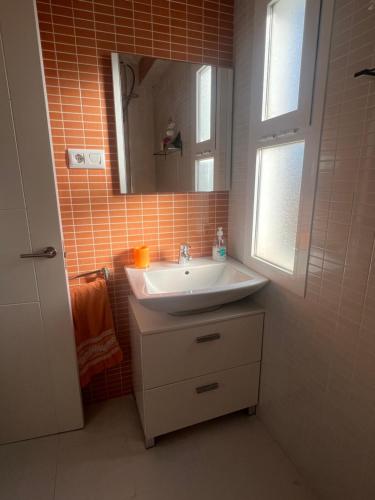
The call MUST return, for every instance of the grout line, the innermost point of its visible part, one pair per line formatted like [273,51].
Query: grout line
[71,212]
[133,19]
[87,174]
[170,28]
[158,224]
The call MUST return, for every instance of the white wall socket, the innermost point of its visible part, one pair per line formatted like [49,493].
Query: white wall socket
[86,158]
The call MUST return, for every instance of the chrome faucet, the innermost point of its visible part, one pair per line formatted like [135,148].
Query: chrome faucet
[184,253]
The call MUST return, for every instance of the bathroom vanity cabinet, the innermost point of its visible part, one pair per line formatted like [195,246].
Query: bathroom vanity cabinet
[187,369]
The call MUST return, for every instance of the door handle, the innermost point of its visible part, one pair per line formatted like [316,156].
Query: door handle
[47,253]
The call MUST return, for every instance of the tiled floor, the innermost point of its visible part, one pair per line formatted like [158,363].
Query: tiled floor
[232,458]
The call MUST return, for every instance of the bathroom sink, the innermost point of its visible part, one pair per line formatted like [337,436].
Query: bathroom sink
[199,285]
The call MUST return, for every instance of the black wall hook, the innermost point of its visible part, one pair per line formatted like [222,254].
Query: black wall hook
[365,72]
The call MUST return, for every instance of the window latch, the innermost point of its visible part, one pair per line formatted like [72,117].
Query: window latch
[284,133]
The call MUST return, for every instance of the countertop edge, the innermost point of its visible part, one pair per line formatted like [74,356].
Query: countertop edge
[154,322]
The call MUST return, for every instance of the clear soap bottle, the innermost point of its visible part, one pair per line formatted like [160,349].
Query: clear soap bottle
[219,249]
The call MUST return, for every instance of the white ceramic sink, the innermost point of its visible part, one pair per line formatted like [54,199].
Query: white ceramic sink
[200,284]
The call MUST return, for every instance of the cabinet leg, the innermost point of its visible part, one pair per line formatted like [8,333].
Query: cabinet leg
[149,443]
[251,410]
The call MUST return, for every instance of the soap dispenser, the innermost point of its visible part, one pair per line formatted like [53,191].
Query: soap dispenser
[219,249]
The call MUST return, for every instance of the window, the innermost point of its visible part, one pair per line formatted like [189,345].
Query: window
[204,99]
[204,174]
[204,137]
[279,174]
[283,55]
[284,136]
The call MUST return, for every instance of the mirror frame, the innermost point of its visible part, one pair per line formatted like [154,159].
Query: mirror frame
[124,167]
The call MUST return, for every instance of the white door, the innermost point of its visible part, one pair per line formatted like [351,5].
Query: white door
[39,387]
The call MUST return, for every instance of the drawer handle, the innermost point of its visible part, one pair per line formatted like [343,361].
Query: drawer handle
[207,388]
[208,338]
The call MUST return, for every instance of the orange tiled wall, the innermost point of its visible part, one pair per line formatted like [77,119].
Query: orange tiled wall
[100,226]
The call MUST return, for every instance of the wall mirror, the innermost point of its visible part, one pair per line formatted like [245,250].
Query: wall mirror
[173,125]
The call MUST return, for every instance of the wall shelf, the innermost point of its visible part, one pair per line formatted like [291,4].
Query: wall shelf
[169,151]
[174,147]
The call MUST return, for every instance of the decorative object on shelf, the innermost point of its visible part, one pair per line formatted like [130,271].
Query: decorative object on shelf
[171,142]
[365,72]
[170,132]
[177,142]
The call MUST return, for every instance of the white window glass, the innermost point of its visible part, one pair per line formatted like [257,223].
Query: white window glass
[204,88]
[283,55]
[279,173]
[204,174]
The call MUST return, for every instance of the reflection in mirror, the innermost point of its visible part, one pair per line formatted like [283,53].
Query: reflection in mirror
[173,125]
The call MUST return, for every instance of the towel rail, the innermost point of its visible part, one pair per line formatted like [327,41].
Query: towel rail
[104,271]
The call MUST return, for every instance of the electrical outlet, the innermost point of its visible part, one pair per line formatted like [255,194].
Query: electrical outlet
[86,158]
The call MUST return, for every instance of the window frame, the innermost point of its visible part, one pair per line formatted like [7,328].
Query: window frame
[303,124]
[198,111]
[257,183]
[197,160]
[205,148]
[300,118]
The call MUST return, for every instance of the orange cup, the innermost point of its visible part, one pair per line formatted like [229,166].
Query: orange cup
[141,257]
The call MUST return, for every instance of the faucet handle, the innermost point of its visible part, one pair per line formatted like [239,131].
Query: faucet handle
[184,253]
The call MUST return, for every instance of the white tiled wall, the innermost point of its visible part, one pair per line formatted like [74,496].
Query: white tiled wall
[318,376]
[243,34]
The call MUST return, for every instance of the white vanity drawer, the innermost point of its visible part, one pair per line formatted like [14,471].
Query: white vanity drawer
[182,354]
[186,403]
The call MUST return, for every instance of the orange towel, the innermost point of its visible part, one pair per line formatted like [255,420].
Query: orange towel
[97,345]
